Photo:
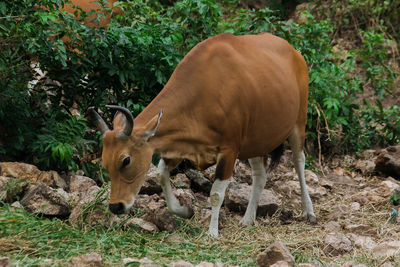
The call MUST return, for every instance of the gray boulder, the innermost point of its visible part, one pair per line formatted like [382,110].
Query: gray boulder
[388,162]
[237,198]
[41,199]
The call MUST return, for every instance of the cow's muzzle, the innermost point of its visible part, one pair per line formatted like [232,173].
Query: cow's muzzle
[117,208]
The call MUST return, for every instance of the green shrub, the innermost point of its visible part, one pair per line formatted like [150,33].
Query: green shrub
[130,62]
[62,144]
[352,15]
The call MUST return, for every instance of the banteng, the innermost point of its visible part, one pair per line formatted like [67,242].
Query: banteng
[230,97]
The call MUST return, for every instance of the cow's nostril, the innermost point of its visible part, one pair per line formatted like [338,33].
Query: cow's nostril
[117,208]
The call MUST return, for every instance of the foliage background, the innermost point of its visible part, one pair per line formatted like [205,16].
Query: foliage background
[43,122]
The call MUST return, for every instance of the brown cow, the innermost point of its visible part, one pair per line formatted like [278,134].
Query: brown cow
[89,5]
[230,97]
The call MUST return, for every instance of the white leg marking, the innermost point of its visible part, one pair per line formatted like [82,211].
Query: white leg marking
[259,176]
[217,195]
[299,161]
[172,202]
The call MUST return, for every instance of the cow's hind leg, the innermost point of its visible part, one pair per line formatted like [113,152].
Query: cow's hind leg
[296,140]
[259,176]
[172,202]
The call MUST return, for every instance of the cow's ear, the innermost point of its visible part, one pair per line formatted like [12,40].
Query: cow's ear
[151,127]
[119,121]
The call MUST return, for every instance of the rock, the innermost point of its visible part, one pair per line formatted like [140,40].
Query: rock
[90,260]
[386,264]
[317,192]
[305,264]
[325,183]
[143,262]
[281,264]
[352,264]
[17,204]
[237,197]
[387,249]
[205,264]
[75,218]
[341,179]
[362,242]
[94,216]
[339,212]
[332,226]
[142,201]
[368,154]
[58,181]
[41,199]
[141,224]
[209,173]
[311,177]
[201,200]
[48,262]
[156,212]
[198,182]
[5,262]
[288,188]
[336,244]
[163,219]
[79,183]
[181,181]
[89,196]
[366,167]
[181,263]
[62,193]
[11,188]
[298,15]
[360,229]
[276,252]
[19,170]
[388,162]
[362,199]
[31,173]
[185,197]
[355,206]
[151,185]
[242,172]
[387,188]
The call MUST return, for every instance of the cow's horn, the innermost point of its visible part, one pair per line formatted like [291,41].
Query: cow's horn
[98,121]
[129,118]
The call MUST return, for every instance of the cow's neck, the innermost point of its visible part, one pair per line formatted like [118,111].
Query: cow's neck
[179,134]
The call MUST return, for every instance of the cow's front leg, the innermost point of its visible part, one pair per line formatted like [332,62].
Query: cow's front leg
[223,172]
[172,202]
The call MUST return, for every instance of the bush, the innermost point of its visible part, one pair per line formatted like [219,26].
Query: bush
[353,15]
[130,62]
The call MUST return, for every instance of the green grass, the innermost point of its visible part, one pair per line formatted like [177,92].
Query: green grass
[37,238]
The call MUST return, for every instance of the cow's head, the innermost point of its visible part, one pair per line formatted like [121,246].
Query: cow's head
[126,155]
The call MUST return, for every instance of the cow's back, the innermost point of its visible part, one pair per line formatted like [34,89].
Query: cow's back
[240,92]
[248,88]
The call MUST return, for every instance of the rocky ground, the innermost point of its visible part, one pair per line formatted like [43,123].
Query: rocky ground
[354,199]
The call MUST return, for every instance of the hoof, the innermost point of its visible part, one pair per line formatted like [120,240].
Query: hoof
[246,222]
[310,217]
[213,233]
[184,212]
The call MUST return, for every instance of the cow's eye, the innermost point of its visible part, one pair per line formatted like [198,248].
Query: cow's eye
[126,162]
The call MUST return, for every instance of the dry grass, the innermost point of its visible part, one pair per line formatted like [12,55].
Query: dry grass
[237,245]
[306,241]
